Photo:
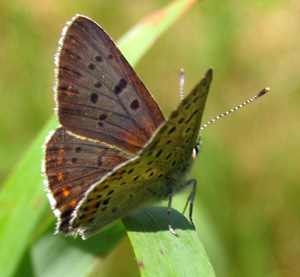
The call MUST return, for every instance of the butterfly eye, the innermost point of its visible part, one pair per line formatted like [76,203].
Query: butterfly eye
[196,149]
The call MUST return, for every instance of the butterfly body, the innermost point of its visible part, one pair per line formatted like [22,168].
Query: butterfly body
[115,152]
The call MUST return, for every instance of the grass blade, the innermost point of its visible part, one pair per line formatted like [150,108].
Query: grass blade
[158,252]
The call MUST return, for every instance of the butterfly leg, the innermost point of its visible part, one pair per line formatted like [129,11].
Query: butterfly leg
[169,213]
[191,198]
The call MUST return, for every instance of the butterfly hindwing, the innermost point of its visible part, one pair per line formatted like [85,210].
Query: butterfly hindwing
[72,165]
[99,95]
[161,167]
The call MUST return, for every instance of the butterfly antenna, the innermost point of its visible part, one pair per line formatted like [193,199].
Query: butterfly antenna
[181,83]
[261,93]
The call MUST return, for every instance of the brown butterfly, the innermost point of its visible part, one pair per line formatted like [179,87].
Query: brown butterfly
[114,151]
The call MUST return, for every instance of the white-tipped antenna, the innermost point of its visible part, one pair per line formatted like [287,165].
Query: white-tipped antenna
[261,93]
[181,83]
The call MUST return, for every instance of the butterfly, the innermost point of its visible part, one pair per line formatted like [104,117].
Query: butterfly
[114,151]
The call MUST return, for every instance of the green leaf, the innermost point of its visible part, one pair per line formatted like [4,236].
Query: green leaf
[65,256]
[136,42]
[159,252]
[23,205]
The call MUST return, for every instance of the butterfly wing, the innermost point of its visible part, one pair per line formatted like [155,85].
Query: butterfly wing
[181,129]
[104,109]
[161,168]
[72,165]
[99,95]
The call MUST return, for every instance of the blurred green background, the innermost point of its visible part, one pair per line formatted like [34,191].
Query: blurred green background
[248,170]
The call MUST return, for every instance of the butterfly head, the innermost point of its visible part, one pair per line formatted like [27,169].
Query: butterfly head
[197,148]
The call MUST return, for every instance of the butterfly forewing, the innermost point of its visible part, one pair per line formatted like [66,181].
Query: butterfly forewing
[160,168]
[182,127]
[72,165]
[99,95]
